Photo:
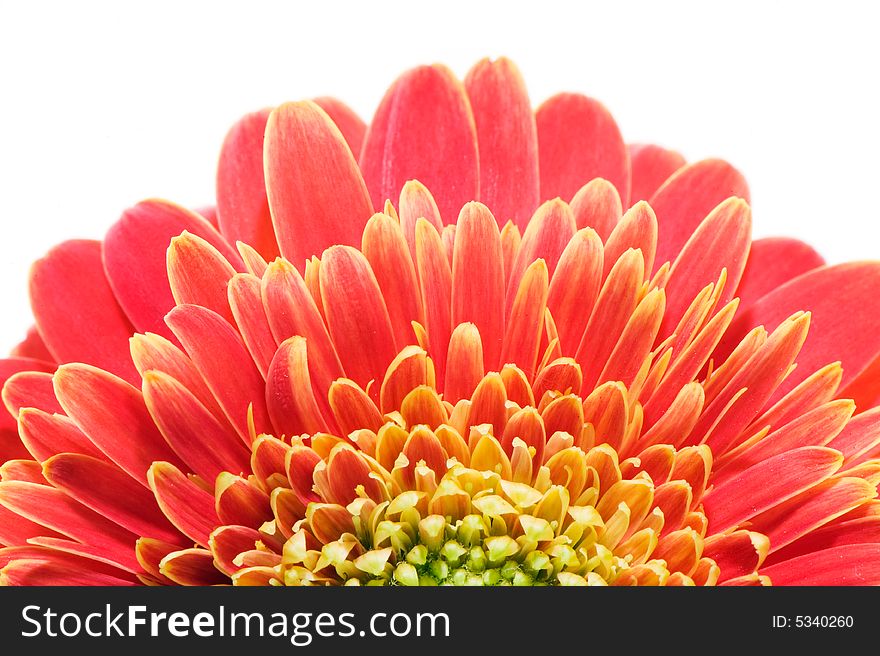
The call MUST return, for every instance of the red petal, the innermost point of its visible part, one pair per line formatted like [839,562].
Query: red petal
[687,197]
[289,393]
[748,391]
[184,503]
[721,241]
[636,229]
[16,530]
[291,310]
[21,469]
[578,140]
[152,352]
[28,389]
[385,248]
[817,427]
[52,572]
[416,202]
[478,278]
[135,259]
[191,567]
[860,436]
[55,510]
[597,205]
[767,484]
[108,491]
[464,363]
[204,444]
[547,235]
[772,262]
[227,542]
[423,130]
[738,553]
[651,167]
[864,389]
[352,408]
[523,335]
[72,302]
[843,300]
[46,434]
[242,206]
[612,311]
[238,502]
[316,192]
[233,379]
[246,303]
[198,274]
[852,564]
[575,287]
[811,509]
[32,346]
[863,530]
[113,416]
[351,125]
[507,138]
[435,281]
[356,314]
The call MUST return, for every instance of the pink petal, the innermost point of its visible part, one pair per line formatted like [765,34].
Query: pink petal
[316,193]
[242,206]
[423,129]
[72,302]
[507,138]
[578,140]
[687,197]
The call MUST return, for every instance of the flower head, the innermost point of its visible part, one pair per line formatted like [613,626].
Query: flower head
[468,386]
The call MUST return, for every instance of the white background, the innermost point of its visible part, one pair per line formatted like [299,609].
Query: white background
[104,104]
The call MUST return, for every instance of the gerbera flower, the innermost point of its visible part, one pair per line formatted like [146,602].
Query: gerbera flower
[497,348]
